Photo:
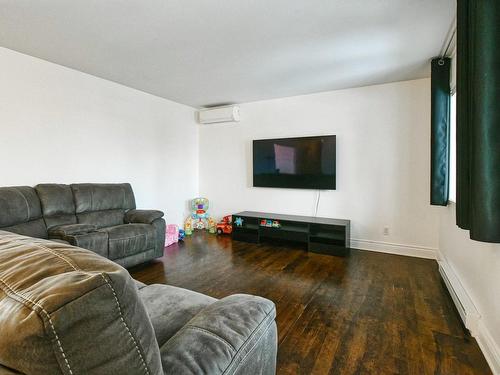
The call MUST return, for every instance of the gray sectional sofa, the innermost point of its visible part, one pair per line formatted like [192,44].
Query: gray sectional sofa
[99,217]
[66,310]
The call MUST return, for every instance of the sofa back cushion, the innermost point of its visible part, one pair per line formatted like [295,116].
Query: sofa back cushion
[20,211]
[66,310]
[57,204]
[103,205]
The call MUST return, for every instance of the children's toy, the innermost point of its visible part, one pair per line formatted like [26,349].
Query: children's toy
[188,226]
[270,223]
[238,221]
[211,225]
[172,234]
[224,226]
[199,218]
[266,223]
[182,234]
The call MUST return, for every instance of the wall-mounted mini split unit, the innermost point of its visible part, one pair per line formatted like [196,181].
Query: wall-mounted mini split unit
[229,113]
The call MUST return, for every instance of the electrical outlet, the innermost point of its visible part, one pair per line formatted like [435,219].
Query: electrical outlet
[386,231]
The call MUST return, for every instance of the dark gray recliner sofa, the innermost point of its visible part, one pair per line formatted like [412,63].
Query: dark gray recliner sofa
[66,310]
[98,217]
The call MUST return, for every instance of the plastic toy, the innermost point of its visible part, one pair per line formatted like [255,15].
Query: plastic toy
[199,218]
[172,234]
[188,226]
[211,225]
[182,234]
[270,223]
[238,222]
[224,226]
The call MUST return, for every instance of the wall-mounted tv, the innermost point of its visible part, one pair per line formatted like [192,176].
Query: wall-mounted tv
[301,163]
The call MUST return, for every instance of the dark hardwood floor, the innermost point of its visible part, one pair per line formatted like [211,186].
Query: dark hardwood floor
[370,313]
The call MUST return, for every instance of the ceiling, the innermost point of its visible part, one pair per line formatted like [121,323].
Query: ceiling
[210,52]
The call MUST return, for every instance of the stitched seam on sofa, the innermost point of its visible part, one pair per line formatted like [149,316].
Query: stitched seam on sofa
[125,324]
[91,199]
[142,254]
[27,204]
[116,300]
[29,242]
[249,339]
[47,315]
[129,238]
[76,231]
[169,342]
[242,360]
[210,333]
[235,361]
[235,355]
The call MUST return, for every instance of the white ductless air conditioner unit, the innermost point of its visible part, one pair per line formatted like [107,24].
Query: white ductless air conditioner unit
[229,113]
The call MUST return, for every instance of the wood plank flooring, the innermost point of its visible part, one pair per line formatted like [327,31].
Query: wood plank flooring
[369,313]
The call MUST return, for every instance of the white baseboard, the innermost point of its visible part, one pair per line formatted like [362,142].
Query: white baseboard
[470,315]
[489,348]
[464,304]
[393,248]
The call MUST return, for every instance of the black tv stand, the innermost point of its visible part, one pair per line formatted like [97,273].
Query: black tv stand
[322,235]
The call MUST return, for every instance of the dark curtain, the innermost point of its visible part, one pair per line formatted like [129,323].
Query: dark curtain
[478,118]
[440,131]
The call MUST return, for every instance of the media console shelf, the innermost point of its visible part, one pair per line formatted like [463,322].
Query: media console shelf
[322,235]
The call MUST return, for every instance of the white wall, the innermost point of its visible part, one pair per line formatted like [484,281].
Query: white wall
[477,265]
[60,125]
[383,162]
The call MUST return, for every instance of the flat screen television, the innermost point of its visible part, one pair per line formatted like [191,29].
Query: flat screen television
[301,163]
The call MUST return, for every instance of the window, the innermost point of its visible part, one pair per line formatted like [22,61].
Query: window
[453,148]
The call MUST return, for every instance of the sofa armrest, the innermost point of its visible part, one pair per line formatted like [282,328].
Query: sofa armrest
[142,216]
[235,335]
[62,231]
[95,241]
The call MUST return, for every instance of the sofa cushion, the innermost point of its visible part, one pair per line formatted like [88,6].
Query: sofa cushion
[102,219]
[143,216]
[67,310]
[129,239]
[170,308]
[57,204]
[222,337]
[18,204]
[95,241]
[35,228]
[99,197]
[20,211]
[61,231]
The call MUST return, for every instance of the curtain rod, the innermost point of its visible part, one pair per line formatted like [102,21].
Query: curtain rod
[449,43]
[450,37]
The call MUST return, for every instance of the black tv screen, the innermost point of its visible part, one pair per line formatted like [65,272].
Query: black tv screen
[302,163]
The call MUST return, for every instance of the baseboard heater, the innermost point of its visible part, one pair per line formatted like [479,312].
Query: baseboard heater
[461,299]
